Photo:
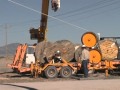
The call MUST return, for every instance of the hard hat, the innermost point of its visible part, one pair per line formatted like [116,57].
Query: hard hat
[93,47]
[83,46]
[57,52]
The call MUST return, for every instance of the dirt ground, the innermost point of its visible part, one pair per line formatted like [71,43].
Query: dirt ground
[3,64]
[112,84]
[13,81]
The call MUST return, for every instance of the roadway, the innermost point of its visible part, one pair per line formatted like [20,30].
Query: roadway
[107,84]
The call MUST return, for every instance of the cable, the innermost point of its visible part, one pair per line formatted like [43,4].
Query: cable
[96,3]
[89,6]
[82,8]
[47,15]
[63,13]
[97,13]
[89,10]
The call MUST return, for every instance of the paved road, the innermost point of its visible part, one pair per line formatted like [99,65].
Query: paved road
[113,84]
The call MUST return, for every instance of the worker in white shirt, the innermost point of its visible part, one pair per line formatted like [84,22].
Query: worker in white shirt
[85,59]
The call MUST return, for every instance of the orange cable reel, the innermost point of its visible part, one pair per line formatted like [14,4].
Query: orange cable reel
[89,39]
[95,56]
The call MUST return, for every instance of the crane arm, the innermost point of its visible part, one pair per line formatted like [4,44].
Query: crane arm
[40,33]
[44,19]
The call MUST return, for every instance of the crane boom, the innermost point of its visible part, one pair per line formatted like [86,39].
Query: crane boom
[40,33]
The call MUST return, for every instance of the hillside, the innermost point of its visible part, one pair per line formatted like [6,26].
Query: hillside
[11,48]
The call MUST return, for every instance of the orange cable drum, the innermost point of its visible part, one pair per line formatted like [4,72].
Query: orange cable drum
[89,39]
[95,56]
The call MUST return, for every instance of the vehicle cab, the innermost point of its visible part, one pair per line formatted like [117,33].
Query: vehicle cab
[30,57]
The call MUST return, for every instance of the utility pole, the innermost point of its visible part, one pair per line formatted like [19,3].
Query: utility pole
[6,30]
[6,27]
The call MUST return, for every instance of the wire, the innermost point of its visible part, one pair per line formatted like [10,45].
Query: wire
[36,20]
[47,15]
[92,15]
[90,9]
[73,12]
[83,8]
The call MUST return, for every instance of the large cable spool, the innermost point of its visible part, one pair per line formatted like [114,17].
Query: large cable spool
[95,56]
[89,39]
[109,49]
[77,54]
[45,50]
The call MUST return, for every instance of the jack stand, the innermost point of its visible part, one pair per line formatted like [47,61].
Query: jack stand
[106,73]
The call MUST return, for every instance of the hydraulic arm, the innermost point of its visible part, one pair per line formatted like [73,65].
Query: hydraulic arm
[40,33]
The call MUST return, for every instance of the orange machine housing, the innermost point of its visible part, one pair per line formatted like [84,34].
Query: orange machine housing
[17,64]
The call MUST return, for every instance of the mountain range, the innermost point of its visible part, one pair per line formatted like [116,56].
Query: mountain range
[8,49]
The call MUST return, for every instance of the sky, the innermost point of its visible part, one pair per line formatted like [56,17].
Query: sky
[73,19]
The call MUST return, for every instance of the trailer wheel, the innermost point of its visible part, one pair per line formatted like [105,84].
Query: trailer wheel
[51,72]
[66,72]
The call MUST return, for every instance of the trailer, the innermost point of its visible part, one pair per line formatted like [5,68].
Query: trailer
[51,69]
[23,57]
[104,53]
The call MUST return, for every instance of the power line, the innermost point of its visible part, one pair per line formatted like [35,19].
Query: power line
[83,8]
[48,15]
[91,5]
[92,15]
[73,12]
[89,10]
[32,21]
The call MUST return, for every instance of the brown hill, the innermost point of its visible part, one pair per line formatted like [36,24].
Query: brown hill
[11,48]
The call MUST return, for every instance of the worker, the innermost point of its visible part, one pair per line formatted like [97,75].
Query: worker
[85,59]
[57,57]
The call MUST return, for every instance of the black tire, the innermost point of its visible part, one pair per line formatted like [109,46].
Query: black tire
[51,72]
[66,72]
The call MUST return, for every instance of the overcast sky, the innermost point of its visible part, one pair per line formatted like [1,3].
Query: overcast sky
[74,18]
